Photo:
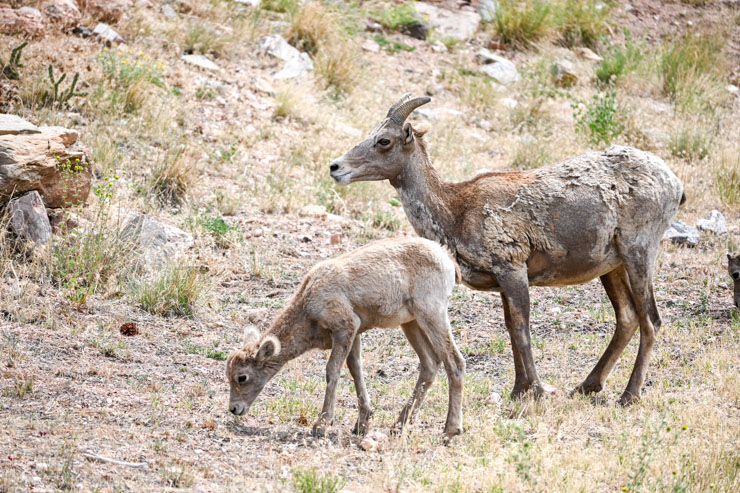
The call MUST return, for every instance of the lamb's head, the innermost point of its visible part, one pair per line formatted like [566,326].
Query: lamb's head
[385,152]
[733,267]
[250,368]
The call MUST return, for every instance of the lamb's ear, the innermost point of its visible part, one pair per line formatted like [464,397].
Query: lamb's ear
[251,334]
[270,347]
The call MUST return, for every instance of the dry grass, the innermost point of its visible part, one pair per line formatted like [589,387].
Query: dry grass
[71,382]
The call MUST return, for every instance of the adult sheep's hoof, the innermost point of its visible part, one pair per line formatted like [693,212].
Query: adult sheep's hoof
[587,388]
[628,398]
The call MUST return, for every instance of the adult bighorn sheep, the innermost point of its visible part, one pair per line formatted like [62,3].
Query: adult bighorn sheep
[596,215]
[384,284]
[733,268]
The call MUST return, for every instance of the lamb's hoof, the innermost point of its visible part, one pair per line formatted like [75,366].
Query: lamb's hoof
[360,429]
[628,398]
[319,429]
[587,388]
[453,431]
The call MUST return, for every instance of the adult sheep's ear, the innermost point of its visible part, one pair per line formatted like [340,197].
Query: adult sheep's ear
[251,335]
[270,347]
[408,133]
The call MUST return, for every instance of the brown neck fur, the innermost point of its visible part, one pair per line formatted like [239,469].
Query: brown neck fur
[290,327]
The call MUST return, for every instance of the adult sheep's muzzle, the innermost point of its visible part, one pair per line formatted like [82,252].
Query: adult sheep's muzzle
[338,173]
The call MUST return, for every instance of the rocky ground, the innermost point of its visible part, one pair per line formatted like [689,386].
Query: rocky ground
[182,190]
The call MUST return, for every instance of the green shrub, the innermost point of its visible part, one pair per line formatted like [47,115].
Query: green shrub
[600,120]
[619,60]
[692,143]
[398,17]
[520,23]
[310,481]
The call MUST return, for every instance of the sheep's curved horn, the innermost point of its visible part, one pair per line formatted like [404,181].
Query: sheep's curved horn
[400,114]
[398,103]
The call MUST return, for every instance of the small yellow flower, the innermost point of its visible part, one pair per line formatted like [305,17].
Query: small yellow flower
[117,177]
[624,488]
[684,427]
[141,53]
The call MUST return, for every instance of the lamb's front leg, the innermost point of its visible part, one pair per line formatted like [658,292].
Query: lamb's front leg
[341,340]
[354,363]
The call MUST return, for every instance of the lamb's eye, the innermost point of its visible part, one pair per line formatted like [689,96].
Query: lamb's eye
[384,142]
[241,378]
[736,275]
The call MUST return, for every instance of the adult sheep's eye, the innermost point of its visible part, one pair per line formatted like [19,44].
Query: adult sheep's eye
[241,378]
[384,142]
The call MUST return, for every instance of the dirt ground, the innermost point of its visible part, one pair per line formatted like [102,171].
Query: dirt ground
[88,403]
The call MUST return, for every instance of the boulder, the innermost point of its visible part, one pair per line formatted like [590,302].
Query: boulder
[714,222]
[199,61]
[682,234]
[297,64]
[169,12]
[23,21]
[49,160]
[497,67]
[563,73]
[155,241]
[487,10]
[65,13]
[458,24]
[28,219]
[109,11]
[107,34]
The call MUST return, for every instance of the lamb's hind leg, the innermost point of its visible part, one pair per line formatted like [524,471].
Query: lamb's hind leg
[617,288]
[428,367]
[437,329]
[639,261]
[354,363]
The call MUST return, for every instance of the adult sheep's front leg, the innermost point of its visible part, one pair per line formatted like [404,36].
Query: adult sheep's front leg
[341,340]
[515,294]
[354,363]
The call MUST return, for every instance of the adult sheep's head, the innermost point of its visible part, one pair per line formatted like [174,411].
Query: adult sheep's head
[249,369]
[386,151]
[733,267]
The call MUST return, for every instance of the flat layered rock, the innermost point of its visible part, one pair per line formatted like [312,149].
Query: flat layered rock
[49,160]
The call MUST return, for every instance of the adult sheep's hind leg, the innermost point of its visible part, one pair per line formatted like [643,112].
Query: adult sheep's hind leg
[428,366]
[639,261]
[618,290]
[354,363]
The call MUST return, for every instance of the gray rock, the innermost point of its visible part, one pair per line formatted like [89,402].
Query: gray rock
[563,73]
[199,61]
[28,219]
[487,10]
[714,222]
[14,125]
[169,12]
[458,24]
[105,32]
[733,89]
[427,114]
[499,68]
[682,234]
[417,30]
[295,67]
[262,85]
[276,46]
[156,241]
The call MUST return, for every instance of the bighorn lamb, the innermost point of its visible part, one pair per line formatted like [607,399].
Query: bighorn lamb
[733,267]
[596,215]
[384,284]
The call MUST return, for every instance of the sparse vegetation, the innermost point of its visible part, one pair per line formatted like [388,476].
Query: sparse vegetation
[600,120]
[243,167]
[173,292]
